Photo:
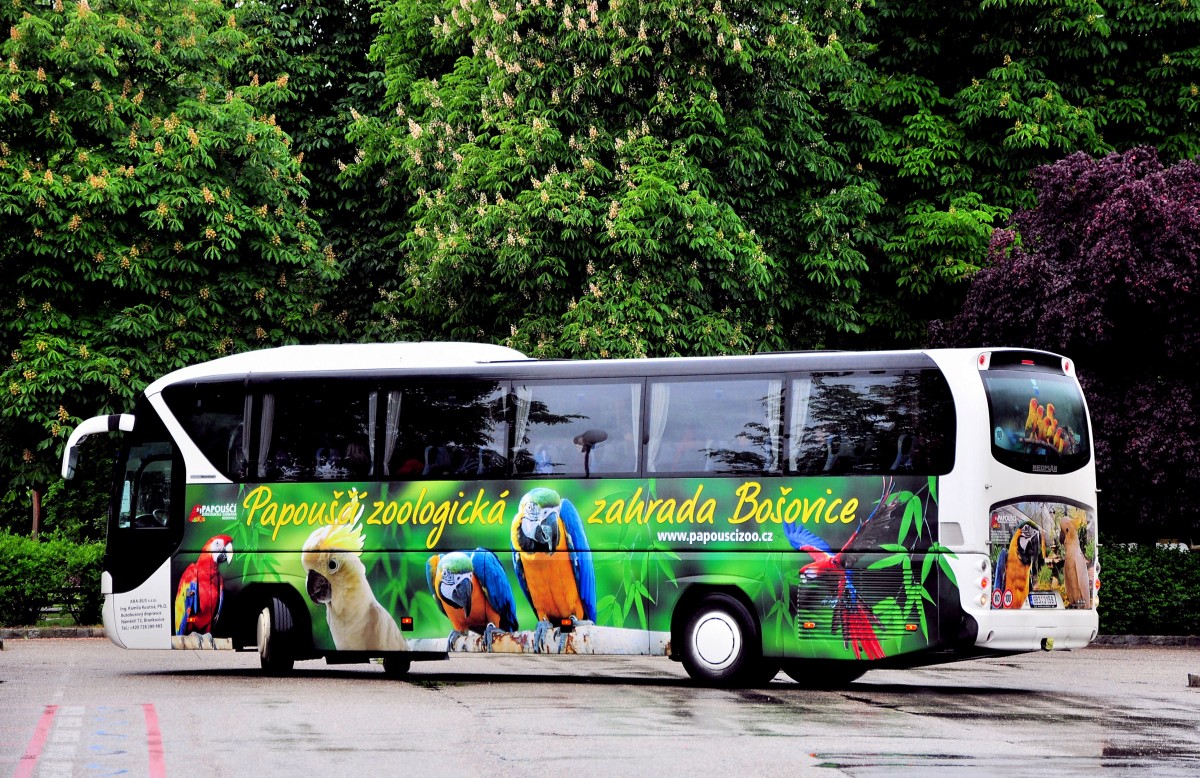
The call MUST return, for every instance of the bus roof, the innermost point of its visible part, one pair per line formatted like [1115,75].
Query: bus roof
[342,358]
[481,359]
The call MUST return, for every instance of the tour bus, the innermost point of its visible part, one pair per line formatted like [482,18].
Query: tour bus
[823,513]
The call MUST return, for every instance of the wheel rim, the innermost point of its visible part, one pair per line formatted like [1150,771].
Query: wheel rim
[264,633]
[717,640]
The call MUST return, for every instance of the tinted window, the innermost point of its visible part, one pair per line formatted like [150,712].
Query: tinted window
[1037,419]
[871,422]
[315,430]
[212,414]
[445,430]
[715,426]
[147,515]
[577,428]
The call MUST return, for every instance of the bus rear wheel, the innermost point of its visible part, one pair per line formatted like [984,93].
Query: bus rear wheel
[720,643]
[275,630]
[816,674]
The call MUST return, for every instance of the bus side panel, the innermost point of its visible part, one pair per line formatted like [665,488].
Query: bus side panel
[410,565]
[884,606]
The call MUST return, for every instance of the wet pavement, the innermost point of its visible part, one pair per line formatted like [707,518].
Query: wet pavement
[86,708]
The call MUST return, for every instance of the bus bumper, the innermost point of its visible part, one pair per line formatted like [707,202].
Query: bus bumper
[1011,632]
[1020,629]
[109,611]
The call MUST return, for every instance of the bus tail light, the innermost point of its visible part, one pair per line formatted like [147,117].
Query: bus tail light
[406,623]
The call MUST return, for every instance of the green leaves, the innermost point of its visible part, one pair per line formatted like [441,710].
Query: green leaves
[154,212]
[568,198]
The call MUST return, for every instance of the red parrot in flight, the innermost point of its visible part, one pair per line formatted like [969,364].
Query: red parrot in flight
[852,618]
[202,589]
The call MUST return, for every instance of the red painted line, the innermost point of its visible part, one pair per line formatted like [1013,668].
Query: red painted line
[154,744]
[33,751]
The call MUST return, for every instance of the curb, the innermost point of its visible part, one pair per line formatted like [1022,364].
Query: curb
[27,633]
[1192,641]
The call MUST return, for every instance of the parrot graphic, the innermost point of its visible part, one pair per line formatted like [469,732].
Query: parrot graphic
[1076,580]
[337,579]
[202,589]
[474,593]
[852,618]
[553,561]
[1017,566]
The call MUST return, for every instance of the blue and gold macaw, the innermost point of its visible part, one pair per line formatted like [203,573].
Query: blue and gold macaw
[553,561]
[474,593]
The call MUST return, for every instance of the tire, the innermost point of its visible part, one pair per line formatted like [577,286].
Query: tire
[817,674]
[721,645]
[396,667]
[275,635]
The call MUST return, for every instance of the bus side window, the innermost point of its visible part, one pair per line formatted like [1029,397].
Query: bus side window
[577,428]
[453,429]
[870,423]
[305,431]
[715,425]
[214,415]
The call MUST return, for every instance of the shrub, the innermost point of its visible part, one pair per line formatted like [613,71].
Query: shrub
[1149,591]
[35,574]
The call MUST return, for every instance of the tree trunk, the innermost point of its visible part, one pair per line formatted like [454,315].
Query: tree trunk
[37,511]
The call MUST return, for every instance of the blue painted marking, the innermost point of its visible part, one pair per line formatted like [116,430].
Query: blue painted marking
[102,752]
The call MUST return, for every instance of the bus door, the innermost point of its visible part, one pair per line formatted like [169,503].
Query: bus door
[145,529]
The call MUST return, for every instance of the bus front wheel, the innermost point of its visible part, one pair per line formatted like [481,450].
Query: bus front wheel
[275,629]
[395,667]
[720,643]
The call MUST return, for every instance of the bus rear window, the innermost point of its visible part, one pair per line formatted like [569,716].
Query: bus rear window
[1037,419]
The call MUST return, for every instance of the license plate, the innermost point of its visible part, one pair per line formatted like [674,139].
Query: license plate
[1043,600]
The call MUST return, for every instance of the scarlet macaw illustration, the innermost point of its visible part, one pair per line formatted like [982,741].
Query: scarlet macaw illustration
[202,589]
[852,618]
[553,561]
[337,579]
[474,593]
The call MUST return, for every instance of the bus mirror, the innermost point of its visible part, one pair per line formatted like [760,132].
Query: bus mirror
[70,460]
[122,422]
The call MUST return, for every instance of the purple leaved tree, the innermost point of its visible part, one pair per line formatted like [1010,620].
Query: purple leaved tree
[1104,270]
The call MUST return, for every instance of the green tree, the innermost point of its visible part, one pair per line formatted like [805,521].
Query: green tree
[323,46]
[154,212]
[709,176]
[967,99]
[620,181]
